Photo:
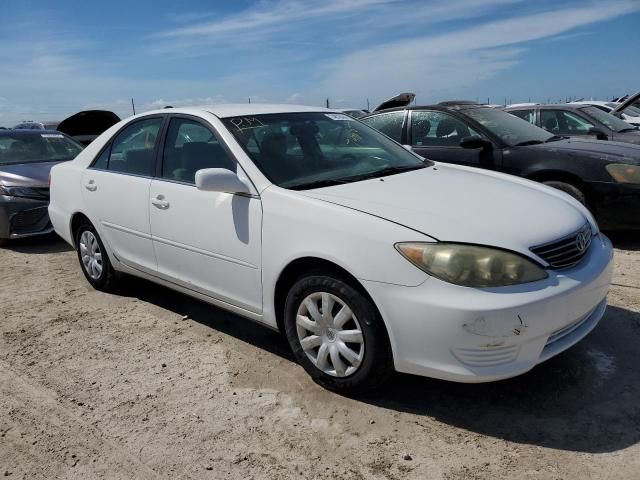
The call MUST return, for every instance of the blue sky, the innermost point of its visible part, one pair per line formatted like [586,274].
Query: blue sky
[60,57]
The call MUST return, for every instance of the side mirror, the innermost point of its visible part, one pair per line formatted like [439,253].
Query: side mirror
[598,133]
[474,141]
[219,180]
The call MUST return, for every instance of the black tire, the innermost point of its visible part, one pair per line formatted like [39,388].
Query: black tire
[376,365]
[572,190]
[107,279]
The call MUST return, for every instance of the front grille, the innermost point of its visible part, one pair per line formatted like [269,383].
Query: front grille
[29,220]
[566,252]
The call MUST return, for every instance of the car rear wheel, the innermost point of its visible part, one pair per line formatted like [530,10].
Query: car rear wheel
[93,258]
[336,334]
[572,190]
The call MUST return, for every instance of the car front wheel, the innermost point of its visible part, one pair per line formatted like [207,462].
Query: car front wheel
[337,335]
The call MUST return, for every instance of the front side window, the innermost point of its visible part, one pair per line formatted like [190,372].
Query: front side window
[312,150]
[438,129]
[528,115]
[190,146]
[388,123]
[132,151]
[560,122]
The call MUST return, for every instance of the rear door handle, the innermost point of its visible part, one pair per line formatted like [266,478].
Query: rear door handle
[160,202]
[91,186]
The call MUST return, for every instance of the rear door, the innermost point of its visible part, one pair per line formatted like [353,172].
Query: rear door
[209,242]
[116,192]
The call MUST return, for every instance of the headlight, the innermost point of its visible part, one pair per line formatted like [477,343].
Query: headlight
[471,266]
[624,173]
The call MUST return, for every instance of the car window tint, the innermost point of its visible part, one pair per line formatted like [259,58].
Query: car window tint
[133,148]
[561,122]
[528,115]
[388,123]
[430,128]
[189,147]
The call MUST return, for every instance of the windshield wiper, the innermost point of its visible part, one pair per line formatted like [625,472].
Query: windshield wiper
[554,138]
[385,172]
[632,129]
[318,184]
[528,142]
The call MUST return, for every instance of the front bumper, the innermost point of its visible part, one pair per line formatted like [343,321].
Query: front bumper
[23,217]
[471,335]
[617,205]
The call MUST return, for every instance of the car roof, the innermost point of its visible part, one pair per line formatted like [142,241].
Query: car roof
[438,106]
[241,109]
[27,131]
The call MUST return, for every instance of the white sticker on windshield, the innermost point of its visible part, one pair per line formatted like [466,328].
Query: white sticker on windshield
[338,116]
[51,135]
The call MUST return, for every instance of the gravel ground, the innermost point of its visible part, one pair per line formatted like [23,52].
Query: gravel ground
[149,383]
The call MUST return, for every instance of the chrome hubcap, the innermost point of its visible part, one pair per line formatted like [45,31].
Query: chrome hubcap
[330,334]
[91,255]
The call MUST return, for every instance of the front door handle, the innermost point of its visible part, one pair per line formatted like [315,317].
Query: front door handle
[91,186]
[160,202]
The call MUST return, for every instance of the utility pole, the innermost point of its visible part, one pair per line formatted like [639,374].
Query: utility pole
[249,99]
[133,106]
[328,103]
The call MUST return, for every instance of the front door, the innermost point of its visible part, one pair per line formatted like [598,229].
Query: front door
[116,192]
[436,135]
[209,242]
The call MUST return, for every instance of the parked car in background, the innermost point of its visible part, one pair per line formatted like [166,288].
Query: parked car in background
[605,176]
[357,249]
[30,125]
[575,120]
[26,156]
[354,112]
[85,126]
[631,114]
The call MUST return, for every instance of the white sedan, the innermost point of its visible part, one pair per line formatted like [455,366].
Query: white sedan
[366,257]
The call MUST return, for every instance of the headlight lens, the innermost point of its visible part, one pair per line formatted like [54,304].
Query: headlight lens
[624,173]
[471,266]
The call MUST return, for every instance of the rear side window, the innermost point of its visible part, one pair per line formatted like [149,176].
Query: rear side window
[132,150]
[528,115]
[388,123]
[190,146]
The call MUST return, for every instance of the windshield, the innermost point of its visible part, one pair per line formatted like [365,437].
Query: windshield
[610,121]
[510,129]
[311,150]
[630,110]
[36,147]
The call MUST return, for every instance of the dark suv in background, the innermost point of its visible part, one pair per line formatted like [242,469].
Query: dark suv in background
[603,175]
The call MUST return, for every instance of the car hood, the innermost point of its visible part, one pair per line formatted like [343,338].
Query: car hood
[601,149]
[26,174]
[463,204]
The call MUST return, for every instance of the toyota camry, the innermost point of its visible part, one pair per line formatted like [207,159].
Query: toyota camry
[366,257]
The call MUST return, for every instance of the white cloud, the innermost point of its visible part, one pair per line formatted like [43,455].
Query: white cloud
[439,65]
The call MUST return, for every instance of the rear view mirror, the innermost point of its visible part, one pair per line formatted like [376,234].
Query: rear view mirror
[599,134]
[220,180]
[474,141]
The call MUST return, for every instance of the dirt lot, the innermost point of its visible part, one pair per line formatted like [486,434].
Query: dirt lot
[152,384]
